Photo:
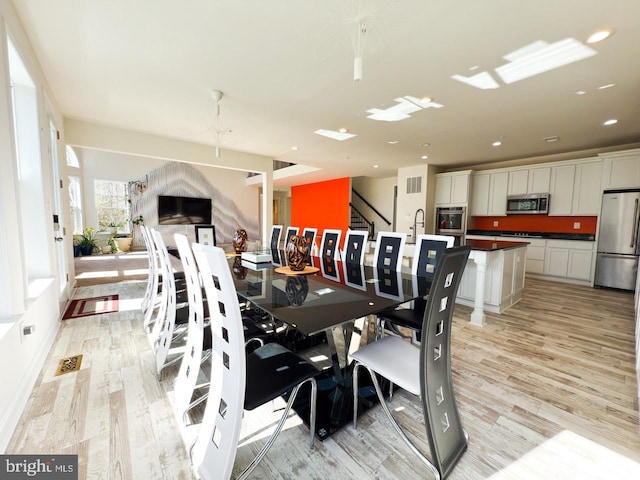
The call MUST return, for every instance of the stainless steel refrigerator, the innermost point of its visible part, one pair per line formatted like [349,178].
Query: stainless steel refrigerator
[618,243]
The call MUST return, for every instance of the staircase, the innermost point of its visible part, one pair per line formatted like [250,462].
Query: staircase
[359,221]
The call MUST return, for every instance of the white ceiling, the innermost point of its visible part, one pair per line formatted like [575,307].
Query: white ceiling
[286,69]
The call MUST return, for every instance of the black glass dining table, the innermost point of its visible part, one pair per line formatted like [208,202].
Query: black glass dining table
[333,305]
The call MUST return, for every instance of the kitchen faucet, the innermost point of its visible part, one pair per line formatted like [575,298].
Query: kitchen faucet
[416,223]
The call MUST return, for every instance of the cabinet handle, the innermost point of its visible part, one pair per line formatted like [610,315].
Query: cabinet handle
[634,232]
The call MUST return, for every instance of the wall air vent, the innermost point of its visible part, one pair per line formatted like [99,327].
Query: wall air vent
[414,184]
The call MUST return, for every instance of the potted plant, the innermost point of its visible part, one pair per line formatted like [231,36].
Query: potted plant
[112,244]
[87,241]
[76,245]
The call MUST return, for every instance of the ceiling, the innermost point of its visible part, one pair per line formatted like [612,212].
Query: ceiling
[286,69]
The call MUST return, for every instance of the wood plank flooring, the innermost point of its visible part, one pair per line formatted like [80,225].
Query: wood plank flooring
[546,390]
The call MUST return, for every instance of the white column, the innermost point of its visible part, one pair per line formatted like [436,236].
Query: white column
[267,205]
[480,259]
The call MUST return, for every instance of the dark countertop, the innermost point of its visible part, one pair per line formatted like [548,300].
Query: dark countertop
[587,237]
[491,245]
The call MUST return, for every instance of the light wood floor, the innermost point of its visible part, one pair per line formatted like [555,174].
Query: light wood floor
[546,390]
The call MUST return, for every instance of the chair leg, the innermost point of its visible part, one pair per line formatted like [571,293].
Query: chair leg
[398,429]
[312,426]
[355,393]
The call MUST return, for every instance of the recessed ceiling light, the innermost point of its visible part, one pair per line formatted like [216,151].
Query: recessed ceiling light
[343,130]
[601,34]
[496,144]
[552,139]
[424,157]
[425,100]
[294,148]
[611,121]
[581,92]
[375,166]
[392,142]
[608,85]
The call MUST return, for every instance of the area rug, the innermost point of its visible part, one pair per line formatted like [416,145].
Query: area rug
[83,307]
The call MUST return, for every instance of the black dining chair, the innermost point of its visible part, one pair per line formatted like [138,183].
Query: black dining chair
[427,253]
[240,381]
[309,235]
[355,246]
[424,371]
[389,250]
[276,233]
[330,246]
[291,231]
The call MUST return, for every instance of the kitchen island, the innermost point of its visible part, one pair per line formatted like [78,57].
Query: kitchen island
[494,277]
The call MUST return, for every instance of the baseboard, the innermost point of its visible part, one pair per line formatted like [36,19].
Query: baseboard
[21,397]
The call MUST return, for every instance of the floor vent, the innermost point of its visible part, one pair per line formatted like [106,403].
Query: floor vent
[68,365]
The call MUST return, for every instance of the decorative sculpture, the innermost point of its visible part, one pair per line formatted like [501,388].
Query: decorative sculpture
[297,252]
[240,240]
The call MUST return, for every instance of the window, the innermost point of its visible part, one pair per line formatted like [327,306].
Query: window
[112,205]
[72,158]
[75,202]
[31,188]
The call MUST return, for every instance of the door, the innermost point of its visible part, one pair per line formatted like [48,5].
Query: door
[619,223]
[58,211]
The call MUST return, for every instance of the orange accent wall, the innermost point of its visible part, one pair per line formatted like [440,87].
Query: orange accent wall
[534,223]
[322,205]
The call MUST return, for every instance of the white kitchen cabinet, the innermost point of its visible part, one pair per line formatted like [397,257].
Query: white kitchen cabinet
[561,189]
[498,194]
[539,180]
[489,195]
[533,180]
[579,266]
[518,182]
[621,169]
[452,188]
[556,261]
[587,189]
[480,194]
[570,259]
[535,255]
[504,280]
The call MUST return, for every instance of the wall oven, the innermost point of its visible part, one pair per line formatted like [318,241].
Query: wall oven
[533,203]
[452,221]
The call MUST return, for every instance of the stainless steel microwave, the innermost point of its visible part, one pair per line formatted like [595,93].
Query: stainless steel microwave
[532,203]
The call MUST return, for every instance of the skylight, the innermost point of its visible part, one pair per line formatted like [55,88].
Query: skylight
[402,110]
[539,57]
[482,80]
[334,135]
[533,59]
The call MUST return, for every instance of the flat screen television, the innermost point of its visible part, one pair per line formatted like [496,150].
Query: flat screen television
[183,210]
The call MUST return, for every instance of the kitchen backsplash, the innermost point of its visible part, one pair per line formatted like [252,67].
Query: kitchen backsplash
[534,223]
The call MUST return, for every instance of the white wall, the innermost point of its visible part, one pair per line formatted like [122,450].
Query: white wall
[408,204]
[379,192]
[103,165]
[23,355]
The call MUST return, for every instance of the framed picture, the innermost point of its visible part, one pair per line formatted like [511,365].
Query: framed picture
[206,235]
